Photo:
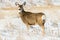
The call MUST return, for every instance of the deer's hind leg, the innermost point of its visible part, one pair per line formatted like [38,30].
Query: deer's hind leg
[43,31]
[41,24]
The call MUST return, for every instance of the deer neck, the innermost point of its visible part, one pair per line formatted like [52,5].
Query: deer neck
[22,10]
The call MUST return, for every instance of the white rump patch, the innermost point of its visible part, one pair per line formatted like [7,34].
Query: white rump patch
[43,17]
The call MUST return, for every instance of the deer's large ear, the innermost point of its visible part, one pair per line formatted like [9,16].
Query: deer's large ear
[16,3]
[24,3]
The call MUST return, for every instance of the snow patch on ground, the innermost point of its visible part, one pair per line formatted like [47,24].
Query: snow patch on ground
[15,29]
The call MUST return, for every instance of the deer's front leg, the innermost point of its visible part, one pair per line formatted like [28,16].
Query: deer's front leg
[28,26]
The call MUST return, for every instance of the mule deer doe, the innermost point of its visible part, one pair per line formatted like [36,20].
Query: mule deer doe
[30,18]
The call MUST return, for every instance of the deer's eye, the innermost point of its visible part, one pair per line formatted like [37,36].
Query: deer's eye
[19,9]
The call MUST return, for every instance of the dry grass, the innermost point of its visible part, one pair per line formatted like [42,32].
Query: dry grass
[9,8]
[32,7]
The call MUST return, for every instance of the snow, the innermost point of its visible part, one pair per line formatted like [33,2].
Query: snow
[15,29]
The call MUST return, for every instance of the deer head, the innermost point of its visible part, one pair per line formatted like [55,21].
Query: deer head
[20,5]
